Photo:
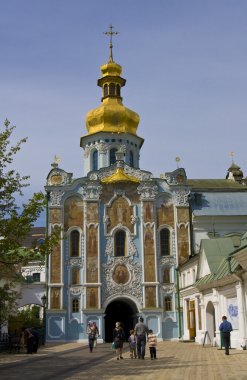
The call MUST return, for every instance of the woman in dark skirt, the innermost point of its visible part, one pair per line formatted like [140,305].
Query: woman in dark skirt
[118,339]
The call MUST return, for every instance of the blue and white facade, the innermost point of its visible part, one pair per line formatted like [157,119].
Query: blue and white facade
[124,232]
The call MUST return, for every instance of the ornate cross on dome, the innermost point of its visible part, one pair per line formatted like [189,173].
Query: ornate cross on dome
[111,33]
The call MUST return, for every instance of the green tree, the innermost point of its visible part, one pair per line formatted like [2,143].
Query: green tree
[28,317]
[15,223]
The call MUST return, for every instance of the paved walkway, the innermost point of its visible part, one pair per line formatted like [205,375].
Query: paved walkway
[176,360]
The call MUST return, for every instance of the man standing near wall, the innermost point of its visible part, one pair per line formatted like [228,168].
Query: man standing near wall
[225,329]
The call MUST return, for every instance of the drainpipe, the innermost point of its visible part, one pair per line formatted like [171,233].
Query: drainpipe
[178,299]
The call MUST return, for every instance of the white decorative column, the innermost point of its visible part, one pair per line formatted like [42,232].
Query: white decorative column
[242,314]
[186,335]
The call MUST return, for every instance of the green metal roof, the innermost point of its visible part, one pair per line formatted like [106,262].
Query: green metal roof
[225,269]
[216,250]
[220,256]
[215,184]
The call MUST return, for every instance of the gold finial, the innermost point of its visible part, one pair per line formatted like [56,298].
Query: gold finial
[57,159]
[177,159]
[111,33]
[232,154]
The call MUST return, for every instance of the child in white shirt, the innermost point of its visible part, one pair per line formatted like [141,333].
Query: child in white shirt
[152,343]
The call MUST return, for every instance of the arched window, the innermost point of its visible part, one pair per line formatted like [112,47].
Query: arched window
[95,160]
[118,89]
[105,90]
[113,156]
[131,158]
[166,279]
[74,243]
[165,242]
[120,238]
[75,276]
[168,304]
[75,305]
[112,89]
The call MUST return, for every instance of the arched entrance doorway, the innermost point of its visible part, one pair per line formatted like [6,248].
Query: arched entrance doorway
[120,310]
[210,320]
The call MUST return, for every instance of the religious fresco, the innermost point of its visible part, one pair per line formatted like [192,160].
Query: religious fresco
[73,212]
[148,212]
[165,214]
[75,276]
[119,213]
[55,264]
[92,298]
[55,298]
[149,257]
[121,274]
[55,215]
[129,189]
[92,212]
[183,215]
[92,254]
[166,276]
[150,296]
[183,244]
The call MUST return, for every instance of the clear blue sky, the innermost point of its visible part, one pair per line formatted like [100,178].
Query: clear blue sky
[186,68]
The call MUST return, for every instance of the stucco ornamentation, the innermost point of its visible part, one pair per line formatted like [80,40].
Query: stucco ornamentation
[168,289]
[147,190]
[122,148]
[180,197]
[104,172]
[131,288]
[106,219]
[167,260]
[75,261]
[77,290]
[58,177]
[103,147]
[141,175]
[92,191]
[56,197]
[109,246]
[87,151]
[133,219]
[173,243]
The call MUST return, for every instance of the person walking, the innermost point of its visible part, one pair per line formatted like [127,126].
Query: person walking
[91,332]
[152,343]
[132,344]
[141,330]
[118,339]
[225,329]
[96,335]
[36,340]
[30,340]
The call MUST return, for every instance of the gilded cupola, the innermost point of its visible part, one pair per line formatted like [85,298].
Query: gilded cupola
[111,115]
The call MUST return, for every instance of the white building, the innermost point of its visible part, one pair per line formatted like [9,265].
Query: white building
[213,283]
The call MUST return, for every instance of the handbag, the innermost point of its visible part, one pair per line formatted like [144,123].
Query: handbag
[113,346]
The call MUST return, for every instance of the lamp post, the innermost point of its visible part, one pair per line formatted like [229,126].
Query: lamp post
[44,300]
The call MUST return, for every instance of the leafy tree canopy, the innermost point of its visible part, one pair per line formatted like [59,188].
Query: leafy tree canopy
[16,222]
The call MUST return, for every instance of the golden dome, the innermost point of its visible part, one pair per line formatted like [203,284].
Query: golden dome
[112,115]
[119,176]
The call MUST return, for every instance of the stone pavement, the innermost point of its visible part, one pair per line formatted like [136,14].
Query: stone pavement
[175,361]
